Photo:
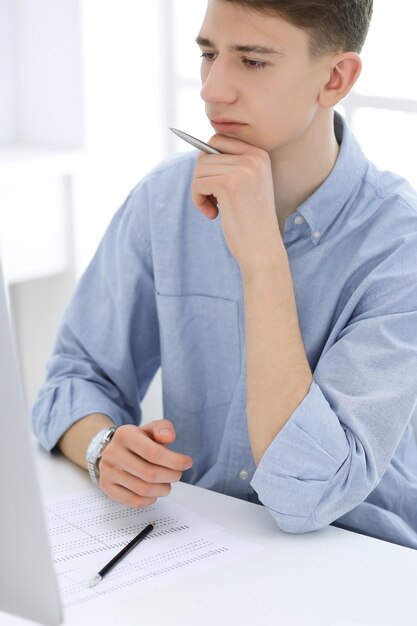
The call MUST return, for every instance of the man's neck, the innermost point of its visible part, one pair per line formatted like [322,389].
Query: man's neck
[298,170]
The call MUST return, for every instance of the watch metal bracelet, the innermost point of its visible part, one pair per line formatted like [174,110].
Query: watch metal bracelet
[95,451]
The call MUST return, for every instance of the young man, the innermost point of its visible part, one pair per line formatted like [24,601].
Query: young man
[284,320]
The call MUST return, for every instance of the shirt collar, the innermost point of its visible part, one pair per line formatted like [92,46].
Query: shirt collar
[322,207]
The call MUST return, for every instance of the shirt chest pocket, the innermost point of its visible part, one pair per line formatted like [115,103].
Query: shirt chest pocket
[200,350]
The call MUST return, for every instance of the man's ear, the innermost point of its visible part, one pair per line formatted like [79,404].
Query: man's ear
[344,71]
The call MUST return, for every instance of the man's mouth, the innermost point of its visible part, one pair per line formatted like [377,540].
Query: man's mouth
[225,124]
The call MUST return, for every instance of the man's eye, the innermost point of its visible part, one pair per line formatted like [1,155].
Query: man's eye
[255,65]
[207,56]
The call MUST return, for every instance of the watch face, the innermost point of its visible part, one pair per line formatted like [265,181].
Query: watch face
[98,443]
[94,452]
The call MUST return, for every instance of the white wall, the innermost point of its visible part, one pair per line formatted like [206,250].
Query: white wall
[8,67]
[83,75]
[48,73]
[123,108]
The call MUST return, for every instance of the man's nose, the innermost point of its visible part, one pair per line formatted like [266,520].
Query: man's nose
[218,85]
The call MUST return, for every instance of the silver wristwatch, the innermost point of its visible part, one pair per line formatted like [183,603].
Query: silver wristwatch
[95,451]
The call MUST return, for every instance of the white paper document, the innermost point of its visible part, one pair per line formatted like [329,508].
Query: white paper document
[87,529]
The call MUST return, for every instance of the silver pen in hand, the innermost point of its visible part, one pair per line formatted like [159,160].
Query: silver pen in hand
[197,143]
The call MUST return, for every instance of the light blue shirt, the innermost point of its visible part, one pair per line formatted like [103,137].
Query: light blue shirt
[164,290]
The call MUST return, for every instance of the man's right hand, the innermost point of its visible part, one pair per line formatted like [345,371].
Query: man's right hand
[136,467]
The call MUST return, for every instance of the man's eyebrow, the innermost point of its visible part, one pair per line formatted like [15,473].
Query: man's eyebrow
[207,43]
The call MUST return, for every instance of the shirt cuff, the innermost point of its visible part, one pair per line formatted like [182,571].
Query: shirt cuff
[300,462]
[59,408]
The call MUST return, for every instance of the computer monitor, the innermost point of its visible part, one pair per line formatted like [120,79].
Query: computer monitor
[28,585]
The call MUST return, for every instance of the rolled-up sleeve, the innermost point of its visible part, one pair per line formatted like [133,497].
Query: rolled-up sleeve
[107,349]
[338,443]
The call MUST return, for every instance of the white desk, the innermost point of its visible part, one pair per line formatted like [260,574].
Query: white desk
[327,578]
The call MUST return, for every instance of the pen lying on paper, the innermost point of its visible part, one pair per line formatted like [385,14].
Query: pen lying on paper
[120,555]
[195,142]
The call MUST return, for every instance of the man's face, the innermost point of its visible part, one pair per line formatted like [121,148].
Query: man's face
[273,94]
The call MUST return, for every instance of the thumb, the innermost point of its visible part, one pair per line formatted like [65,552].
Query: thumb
[161,431]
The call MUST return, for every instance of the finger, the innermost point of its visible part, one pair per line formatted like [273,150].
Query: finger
[126,461]
[213,169]
[207,207]
[226,158]
[156,454]
[139,486]
[206,204]
[141,444]
[126,497]
[231,145]
[162,431]
[204,195]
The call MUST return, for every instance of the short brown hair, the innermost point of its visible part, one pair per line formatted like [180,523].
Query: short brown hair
[333,25]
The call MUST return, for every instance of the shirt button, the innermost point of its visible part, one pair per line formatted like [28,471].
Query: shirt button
[243,474]
[317,234]
[299,219]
